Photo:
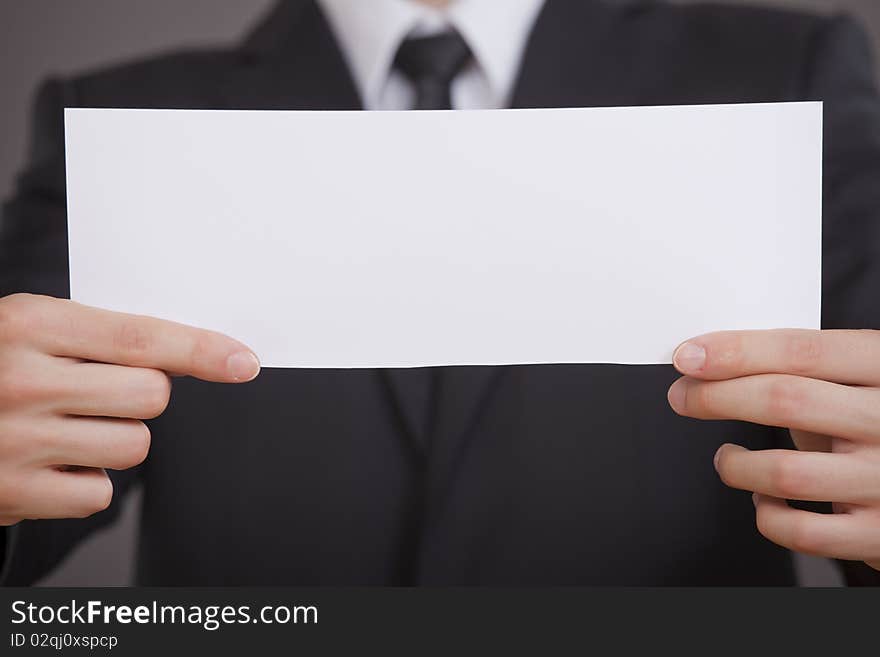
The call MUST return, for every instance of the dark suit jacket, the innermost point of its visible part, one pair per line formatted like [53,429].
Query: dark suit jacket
[535,475]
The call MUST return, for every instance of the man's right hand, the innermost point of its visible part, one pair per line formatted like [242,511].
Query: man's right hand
[75,383]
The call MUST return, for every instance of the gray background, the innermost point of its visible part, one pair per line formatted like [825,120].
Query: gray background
[47,37]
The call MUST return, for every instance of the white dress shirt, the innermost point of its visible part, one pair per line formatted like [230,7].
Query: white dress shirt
[370,32]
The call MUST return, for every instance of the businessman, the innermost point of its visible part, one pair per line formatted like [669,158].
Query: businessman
[754,444]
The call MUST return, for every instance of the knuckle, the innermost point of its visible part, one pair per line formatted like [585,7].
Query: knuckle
[199,350]
[34,441]
[789,478]
[804,537]
[702,398]
[25,442]
[17,299]
[803,351]
[41,443]
[785,400]
[133,340]
[19,388]
[17,316]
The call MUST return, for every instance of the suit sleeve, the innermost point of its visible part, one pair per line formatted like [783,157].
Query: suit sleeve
[33,258]
[841,73]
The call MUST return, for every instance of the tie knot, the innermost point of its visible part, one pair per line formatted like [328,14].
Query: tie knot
[439,58]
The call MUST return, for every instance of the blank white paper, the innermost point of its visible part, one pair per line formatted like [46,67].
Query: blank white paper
[401,239]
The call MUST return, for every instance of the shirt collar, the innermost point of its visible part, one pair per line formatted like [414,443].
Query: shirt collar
[370,32]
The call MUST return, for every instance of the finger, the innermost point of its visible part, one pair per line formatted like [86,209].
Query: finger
[95,443]
[792,475]
[837,536]
[807,441]
[64,328]
[782,400]
[97,389]
[72,494]
[74,441]
[849,357]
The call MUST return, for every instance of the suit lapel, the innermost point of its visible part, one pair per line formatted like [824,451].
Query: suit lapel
[586,53]
[292,61]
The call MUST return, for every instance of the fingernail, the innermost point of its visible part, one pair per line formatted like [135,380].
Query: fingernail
[717,457]
[755,499]
[243,366]
[689,358]
[677,396]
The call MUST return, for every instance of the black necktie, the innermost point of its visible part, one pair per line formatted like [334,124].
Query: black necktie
[431,64]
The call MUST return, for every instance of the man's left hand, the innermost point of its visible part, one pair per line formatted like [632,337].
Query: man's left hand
[824,386]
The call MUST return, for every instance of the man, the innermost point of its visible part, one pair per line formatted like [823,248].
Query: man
[577,474]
